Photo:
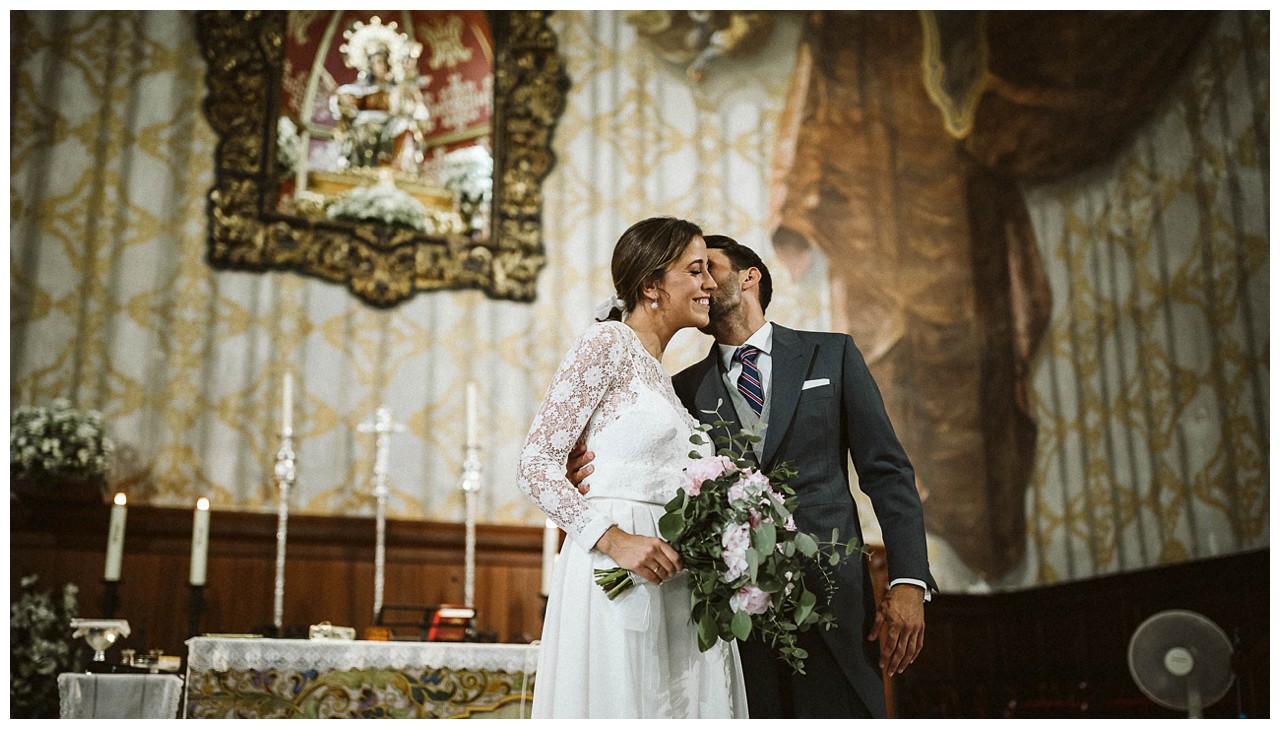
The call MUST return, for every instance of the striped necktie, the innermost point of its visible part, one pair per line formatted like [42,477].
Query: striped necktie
[749,380]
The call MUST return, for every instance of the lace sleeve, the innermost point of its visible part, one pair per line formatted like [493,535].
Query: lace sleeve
[583,380]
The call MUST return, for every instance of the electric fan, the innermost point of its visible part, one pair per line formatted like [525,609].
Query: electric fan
[1181,660]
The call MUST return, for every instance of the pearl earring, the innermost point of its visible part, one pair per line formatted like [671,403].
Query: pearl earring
[653,304]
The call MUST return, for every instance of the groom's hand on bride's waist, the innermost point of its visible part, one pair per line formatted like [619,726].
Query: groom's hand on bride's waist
[578,467]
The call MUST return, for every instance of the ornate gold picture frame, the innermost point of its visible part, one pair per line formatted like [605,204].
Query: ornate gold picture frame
[381,264]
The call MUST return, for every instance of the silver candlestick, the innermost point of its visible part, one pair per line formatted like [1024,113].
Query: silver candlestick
[285,472]
[470,486]
[384,427]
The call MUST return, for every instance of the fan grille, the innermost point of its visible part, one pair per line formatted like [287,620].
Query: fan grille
[1210,650]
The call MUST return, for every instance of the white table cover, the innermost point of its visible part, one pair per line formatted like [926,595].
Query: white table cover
[119,696]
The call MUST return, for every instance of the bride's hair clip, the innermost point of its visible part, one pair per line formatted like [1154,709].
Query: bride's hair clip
[606,307]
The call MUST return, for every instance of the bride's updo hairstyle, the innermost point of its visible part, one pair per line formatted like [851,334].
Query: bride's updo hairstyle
[643,254]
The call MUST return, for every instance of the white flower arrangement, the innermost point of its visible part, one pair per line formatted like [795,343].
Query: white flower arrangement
[58,442]
[384,203]
[469,172]
[288,144]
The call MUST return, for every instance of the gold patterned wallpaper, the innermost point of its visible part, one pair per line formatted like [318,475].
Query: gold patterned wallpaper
[1152,383]
[114,305]
[1150,386]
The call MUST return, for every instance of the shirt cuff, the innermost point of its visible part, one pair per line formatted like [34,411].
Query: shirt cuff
[909,581]
[592,531]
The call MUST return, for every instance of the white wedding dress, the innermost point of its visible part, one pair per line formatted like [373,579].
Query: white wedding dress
[636,656]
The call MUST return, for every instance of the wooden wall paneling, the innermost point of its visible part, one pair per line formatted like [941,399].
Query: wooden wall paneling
[328,570]
[1062,651]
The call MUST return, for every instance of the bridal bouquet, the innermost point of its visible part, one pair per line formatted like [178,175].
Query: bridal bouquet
[748,564]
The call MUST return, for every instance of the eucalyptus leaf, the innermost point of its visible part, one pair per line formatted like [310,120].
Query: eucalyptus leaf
[764,537]
[741,625]
[707,632]
[671,525]
[806,603]
[806,545]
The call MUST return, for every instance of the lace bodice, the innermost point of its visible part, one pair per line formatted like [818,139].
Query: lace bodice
[611,393]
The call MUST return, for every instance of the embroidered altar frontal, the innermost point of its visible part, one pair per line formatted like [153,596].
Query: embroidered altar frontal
[264,678]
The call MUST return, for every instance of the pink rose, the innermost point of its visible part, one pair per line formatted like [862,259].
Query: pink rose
[737,491]
[750,600]
[705,469]
[757,482]
[753,518]
[735,540]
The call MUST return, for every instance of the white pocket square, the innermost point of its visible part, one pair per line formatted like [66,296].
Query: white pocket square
[815,383]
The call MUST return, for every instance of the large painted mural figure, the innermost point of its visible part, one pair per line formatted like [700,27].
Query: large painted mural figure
[902,152]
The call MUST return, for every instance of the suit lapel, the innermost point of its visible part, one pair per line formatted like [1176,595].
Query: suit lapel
[791,359]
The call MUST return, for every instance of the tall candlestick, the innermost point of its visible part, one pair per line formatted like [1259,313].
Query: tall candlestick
[550,545]
[200,542]
[384,427]
[287,423]
[285,472]
[470,486]
[473,420]
[115,540]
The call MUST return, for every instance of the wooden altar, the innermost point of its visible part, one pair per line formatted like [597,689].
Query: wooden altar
[267,678]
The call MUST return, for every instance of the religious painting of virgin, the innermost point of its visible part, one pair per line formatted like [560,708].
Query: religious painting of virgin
[386,116]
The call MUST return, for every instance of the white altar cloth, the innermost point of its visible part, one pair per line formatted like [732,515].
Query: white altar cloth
[119,695]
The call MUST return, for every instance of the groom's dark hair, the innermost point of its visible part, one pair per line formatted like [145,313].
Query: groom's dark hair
[742,257]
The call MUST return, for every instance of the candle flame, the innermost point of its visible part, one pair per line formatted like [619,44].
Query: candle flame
[121,500]
[202,504]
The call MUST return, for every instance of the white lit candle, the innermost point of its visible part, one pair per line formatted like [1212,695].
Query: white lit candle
[200,542]
[550,543]
[288,402]
[473,420]
[115,540]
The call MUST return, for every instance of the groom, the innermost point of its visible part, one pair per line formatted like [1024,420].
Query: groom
[820,405]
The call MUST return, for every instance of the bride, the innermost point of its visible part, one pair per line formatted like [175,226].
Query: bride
[636,656]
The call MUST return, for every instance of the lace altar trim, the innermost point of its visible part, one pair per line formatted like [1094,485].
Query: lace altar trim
[234,654]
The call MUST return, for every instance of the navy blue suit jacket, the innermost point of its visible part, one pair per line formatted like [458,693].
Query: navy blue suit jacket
[817,429]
